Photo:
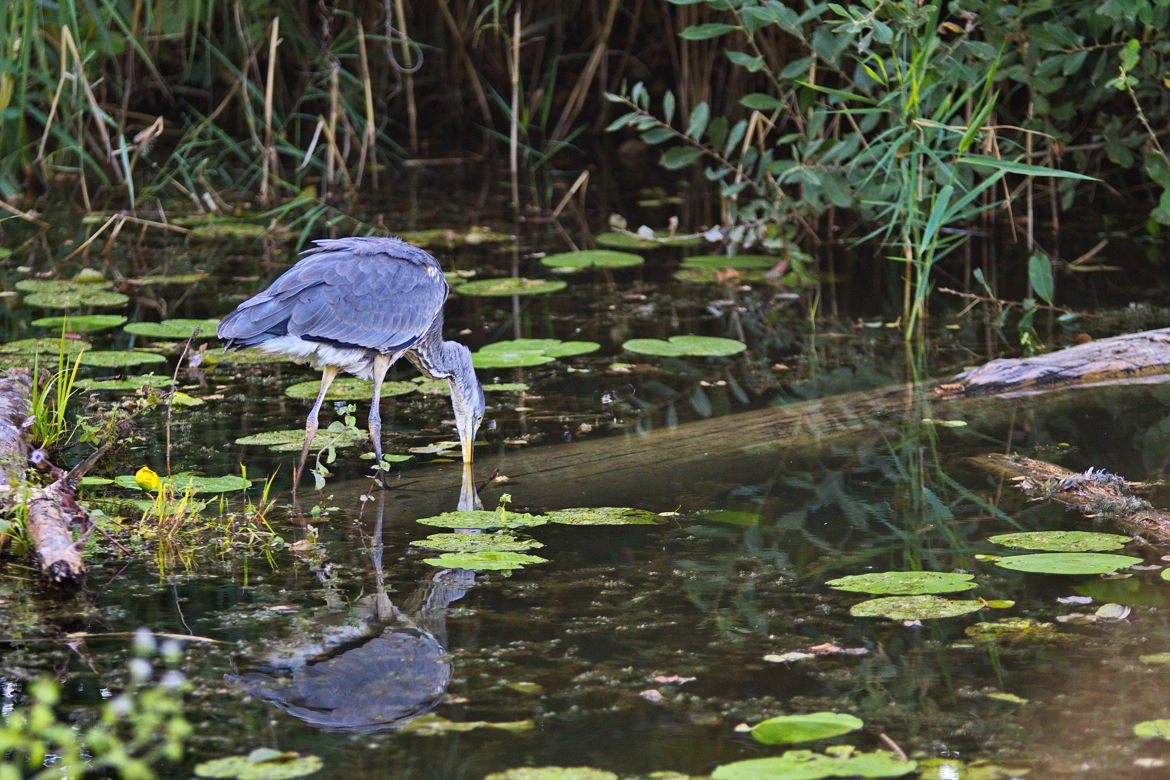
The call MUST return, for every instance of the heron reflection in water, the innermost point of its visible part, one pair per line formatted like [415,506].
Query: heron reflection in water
[376,670]
[357,305]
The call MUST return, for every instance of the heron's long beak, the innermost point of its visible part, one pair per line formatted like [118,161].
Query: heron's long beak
[466,439]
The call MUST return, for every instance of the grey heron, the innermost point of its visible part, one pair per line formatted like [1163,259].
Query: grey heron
[357,305]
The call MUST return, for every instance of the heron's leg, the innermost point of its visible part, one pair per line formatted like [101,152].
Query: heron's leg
[328,374]
[381,366]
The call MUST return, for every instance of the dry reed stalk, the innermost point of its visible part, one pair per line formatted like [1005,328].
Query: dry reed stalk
[514,119]
[268,166]
[408,74]
[460,47]
[576,100]
[332,155]
[369,134]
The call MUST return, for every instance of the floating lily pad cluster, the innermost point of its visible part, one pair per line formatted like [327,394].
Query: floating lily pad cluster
[291,440]
[446,237]
[501,549]
[1068,552]
[522,353]
[348,388]
[635,241]
[81,323]
[173,329]
[64,294]
[837,761]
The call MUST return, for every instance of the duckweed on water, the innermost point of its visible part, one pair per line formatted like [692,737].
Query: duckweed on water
[1068,563]
[603,515]
[914,608]
[508,286]
[904,583]
[1062,541]
[787,729]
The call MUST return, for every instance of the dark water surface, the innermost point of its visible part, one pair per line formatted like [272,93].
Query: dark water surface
[597,647]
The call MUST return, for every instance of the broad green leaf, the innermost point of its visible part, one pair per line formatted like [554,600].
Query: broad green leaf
[680,157]
[603,515]
[787,729]
[758,101]
[81,323]
[1153,728]
[700,115]
[1010,166]
[509,286]
[484,560]
[466,542]
[752,64]
[904,583]
[1062,541]
[117,359]
[1068,563]
[701,32]
[1040,275]
[348,388]
[597,258]
[914,608]
[480,518]
[807,765]
[680,346]
[173,329]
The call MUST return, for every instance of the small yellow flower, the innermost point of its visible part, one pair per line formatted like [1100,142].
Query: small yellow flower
[147,479]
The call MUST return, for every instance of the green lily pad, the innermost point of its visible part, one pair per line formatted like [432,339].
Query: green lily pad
[223,228]
[173,329]
[250,356]
[348,388]
[122,385]
[592,258]
[739,262]
[904,583]
[914,607]
[481,518]
[431,724]
[521,353]
[499,542]
[44,347]
[1153,728]
[702,275]
[1015,629]
[686,346]
[193,278]
[807,765]
[63,294]
[441,387]
[786,729]
[81,323]
[510,286]
[292,440]
[61,285]
[261,764]
[1068,563]
[458,277]
[1062,541]
[1155,658]
[444,237]
[484,560]
[228,483]
[603,515]
[119,358]
[732,517]
[552,773]
[631,241]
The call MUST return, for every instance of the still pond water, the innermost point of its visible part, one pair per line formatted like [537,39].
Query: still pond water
[632,649]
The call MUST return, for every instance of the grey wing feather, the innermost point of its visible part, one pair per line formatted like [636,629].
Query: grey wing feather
[377,293]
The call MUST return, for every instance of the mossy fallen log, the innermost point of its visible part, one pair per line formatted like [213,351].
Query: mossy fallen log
[51,509]
[1093,493]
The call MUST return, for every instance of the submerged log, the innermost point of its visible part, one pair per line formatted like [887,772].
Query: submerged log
[1129,356]
[50,509]
[1093,493]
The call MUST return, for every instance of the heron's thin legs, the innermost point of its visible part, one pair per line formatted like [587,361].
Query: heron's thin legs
[381,366]
[328,374]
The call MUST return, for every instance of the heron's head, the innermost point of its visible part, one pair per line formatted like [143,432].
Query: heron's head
[467,400]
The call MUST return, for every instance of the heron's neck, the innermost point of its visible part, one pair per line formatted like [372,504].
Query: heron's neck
[440,359]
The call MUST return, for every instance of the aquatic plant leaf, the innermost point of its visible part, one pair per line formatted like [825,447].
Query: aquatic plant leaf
[119,358]
[173,329]
[61,285]
[128,383]
[630,241]
[603,515]
[1015,629]
[786,729]
[251,356]
[431,724]
[484,560]
[195,484]
[904,583]
[807,765]
[956,769]
[224,228]
[291,440]
[261,764]
[914,607]
[552,773]
[1068,563]
[1152,658]
[686,346]
[445,237]
[732,517]
[714,276]
[739,262]
[501,359]
[1062,541]
[348,388]
[63,294]
[192,278]
[482,518]
[500,542]
[519,353]
[81,323]
[595,258]
[44,347]
[1153,728]
[510,286]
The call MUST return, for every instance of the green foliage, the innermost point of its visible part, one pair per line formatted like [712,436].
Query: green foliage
[139,727]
